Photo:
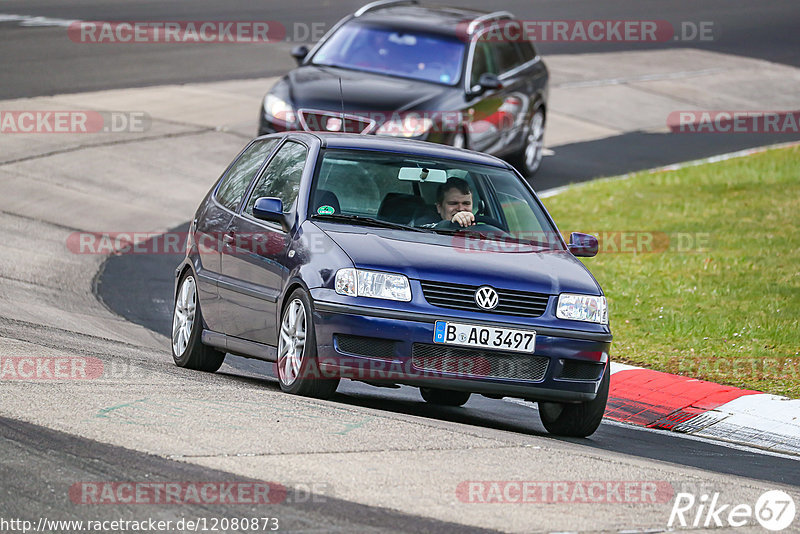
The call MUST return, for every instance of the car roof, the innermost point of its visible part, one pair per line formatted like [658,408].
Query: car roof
[442,20]
[408,146]
[393,144]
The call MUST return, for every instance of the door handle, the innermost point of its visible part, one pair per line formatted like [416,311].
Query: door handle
[227,238]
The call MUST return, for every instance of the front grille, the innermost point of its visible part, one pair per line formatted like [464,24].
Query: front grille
[325,121]
[372,347]
[462,297]
[477,362]
[572,370]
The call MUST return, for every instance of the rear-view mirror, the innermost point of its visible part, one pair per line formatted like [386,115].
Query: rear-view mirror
[416,174]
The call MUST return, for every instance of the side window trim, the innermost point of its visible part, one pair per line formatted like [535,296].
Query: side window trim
[516,70]
[246,199]
[249,190]
[468,87]
[252,180]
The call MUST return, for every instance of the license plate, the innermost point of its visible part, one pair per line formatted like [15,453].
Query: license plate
[470,335]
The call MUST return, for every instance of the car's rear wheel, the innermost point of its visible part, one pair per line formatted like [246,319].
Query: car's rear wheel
[444,397]
[576,420]
[297,366]
[187,328]
[530,157]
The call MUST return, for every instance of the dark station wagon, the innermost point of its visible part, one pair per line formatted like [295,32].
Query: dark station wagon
[448,75]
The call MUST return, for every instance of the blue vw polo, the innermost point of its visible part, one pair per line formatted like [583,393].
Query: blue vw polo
[393,262]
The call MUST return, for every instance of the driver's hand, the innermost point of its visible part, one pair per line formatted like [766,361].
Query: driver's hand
[464,218]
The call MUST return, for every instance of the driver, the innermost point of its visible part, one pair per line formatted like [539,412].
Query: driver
[454,202]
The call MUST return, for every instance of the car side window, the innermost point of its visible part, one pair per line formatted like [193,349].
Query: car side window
[527,50]
[506,55]
[282,176]
[233,186]
[482,62]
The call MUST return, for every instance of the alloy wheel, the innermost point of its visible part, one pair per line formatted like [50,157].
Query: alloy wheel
[291,346]
[184,315]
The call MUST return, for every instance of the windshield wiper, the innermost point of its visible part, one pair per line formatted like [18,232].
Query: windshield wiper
[472,233]
[367,221]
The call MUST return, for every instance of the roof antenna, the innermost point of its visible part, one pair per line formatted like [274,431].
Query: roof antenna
[341,98]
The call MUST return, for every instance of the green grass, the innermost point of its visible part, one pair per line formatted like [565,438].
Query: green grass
[726,310]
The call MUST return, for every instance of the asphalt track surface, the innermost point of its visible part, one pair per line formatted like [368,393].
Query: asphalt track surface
[60,457]
[139,288]
[42,61]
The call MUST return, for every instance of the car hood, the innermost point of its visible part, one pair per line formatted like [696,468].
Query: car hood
[315,87]
[472,262]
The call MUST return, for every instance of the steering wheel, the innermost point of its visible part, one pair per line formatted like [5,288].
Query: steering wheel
[482,225]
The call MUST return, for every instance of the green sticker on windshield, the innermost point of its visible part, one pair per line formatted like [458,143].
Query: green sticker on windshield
[325,210]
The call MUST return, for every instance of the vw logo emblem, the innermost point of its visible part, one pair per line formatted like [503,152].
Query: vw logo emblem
[486,298]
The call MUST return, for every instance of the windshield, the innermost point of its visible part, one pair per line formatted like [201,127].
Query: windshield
[420,56]
[415,193]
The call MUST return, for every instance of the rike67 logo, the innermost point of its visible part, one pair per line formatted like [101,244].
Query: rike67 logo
[774,510]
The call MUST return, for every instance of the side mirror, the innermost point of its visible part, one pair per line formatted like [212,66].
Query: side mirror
[270,209]
[582,245]
[299,53]
[485,82]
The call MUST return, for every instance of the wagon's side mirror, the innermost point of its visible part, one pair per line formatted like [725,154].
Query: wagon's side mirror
[485,82]
[582,245]
[270,209]
[299,53]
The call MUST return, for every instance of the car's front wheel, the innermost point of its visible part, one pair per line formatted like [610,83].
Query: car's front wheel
[298,367]
[444,397]
[530,157]
[576,420]
[187,327]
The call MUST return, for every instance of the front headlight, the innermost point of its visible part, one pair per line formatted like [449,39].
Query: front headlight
[355,282]
[279,109]
[582,308]
[409,126]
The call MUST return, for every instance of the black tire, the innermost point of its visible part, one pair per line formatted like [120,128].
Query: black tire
[576,420]
[192,355]
[307,379]
[444,397]
[534,138]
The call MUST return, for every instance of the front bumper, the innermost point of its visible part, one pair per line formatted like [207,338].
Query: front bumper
[399,337]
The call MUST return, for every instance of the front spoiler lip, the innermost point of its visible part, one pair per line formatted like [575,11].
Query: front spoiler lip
[533,391]
[334,307]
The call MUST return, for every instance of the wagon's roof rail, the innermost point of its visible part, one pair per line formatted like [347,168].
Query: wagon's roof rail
[497,15]
[380,4]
